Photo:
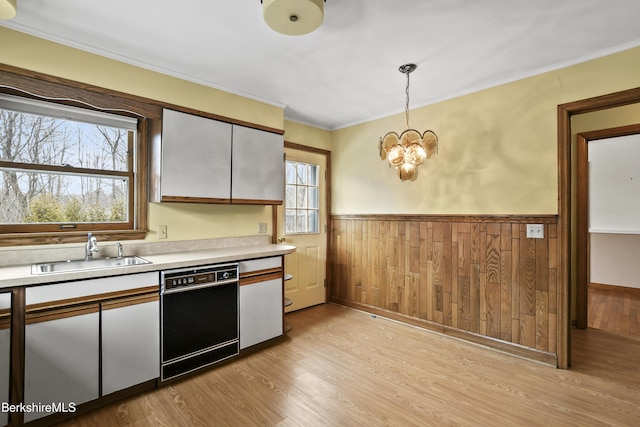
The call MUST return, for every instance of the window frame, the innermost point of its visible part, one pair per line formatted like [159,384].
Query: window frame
[30,85]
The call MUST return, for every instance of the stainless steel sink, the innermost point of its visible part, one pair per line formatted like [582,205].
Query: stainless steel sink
[81,265]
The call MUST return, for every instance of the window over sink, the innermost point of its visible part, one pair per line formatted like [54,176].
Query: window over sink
[63,166]
[69,166]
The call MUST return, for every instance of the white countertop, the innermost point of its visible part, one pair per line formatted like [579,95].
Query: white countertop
[16,276]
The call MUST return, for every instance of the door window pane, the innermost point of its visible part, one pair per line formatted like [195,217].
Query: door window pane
[302,198]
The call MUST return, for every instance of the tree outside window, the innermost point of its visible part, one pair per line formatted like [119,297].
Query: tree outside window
[64,168]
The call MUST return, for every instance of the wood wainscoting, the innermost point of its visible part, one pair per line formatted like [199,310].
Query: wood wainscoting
[475,277]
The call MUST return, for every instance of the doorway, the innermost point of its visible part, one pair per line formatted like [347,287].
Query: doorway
[607,229]
[303,222]
[565,220]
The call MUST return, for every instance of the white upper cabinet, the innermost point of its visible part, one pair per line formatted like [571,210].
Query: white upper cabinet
[208,161]
[257,175]
[196,158]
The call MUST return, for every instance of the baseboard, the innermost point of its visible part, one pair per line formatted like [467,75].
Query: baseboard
[513,349]
[614,288]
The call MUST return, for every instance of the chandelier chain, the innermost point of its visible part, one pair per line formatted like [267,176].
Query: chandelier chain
[406,106]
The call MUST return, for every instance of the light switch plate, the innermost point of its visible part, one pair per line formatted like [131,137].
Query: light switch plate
[535,231]
[162,232]
[262,228]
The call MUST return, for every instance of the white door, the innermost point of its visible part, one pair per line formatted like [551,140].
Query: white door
[302,223]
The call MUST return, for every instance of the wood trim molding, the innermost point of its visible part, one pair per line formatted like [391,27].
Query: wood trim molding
[327,154]
[564,114]
[510,219]
[150,108]
[260,272]
[261,278]
[511,348]
[129,301]
[5,318]
[17,239]
[255,202]
[183,199]
[583,260]
[582,231]
[16,396]
[90,299]
[300,147]
[615,288]
[48,86]
[60,313]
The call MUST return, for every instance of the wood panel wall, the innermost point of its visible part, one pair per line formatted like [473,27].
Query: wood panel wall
[478,278]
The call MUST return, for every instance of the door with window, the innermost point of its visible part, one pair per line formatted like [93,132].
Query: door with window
[302,223]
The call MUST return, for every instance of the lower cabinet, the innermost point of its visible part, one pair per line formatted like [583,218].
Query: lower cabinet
[260,312]
[88,339]
[261,300]
[5,353]
[130,342]
[62,353]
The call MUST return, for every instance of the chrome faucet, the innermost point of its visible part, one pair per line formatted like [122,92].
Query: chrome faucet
[119,247]
[90,247]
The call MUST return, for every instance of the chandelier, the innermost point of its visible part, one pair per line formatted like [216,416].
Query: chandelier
[409,150]
[293,17]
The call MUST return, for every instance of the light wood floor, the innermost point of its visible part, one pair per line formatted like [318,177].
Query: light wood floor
[342,367]
[614,309]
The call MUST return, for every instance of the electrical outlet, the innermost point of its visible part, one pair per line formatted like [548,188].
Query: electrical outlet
[162,232]
[262,228]
[535,231]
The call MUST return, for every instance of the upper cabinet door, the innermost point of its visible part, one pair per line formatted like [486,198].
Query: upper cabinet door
[196,159]
[258,167]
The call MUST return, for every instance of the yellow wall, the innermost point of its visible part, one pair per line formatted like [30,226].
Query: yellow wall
[498,147]
[183,221]
[32,53]
[307,135]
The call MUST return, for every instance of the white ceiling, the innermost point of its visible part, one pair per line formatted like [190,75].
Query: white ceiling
[346,72]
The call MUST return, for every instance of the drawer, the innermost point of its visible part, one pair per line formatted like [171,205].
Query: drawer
[259,264]
[86,288]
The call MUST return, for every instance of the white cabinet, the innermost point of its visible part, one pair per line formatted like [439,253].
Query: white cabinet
[202,160]
[63,339]
[130,342]
[196,158]
[261,300]
[61,358]
[260,312]
[5,352]
[257,175]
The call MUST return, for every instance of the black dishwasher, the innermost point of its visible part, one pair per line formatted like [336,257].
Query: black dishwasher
[199,318]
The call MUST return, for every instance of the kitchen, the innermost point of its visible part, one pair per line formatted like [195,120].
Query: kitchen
[479,169]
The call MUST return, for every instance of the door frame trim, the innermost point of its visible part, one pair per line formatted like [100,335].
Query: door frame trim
[565,180]
[583,245]
[274,213]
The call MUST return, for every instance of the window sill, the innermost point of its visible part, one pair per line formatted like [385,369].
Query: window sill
[25,239]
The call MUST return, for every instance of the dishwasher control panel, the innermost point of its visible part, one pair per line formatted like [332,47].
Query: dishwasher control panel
[198,276]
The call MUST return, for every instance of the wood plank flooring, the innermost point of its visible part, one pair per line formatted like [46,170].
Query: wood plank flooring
[343,367]
[614,308]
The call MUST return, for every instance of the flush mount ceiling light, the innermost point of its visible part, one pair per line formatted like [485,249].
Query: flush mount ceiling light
[8,9]
[409,150]
[293,17]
